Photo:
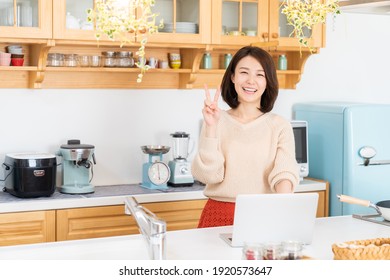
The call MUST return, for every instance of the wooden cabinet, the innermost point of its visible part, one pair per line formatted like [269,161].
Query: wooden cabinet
[26,19]
[27,227]
[212,19]
[81,223]
[104,221]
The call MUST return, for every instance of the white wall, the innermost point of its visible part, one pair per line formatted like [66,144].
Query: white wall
[354,66]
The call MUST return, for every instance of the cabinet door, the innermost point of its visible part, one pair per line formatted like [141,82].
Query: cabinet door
[81,223]
[27,227]
[70,21]
[239,22]
[185,21]
[26,19]
[280,31]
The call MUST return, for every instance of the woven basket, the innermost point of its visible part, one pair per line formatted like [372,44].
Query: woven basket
[370,249]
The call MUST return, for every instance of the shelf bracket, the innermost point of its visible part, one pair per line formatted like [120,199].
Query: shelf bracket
[39,53]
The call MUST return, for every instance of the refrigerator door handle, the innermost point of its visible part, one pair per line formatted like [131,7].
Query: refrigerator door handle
[376,162]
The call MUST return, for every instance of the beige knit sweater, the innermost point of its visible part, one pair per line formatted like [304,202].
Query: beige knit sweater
[246,158]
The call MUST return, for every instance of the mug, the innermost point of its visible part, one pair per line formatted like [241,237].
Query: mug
[163,64]
[153,62]
[174,60]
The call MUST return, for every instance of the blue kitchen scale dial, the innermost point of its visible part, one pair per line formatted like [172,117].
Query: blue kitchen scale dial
[155,173]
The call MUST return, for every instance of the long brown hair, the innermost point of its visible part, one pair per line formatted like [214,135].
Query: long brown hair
[270,94]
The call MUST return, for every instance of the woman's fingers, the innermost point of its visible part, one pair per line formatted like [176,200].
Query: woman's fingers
[208,98]
[208,103]
[217,95]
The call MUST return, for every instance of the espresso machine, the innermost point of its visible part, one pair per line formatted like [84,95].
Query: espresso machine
[77,165]
[180,167]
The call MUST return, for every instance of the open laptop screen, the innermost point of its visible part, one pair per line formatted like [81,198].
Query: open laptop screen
[266,218]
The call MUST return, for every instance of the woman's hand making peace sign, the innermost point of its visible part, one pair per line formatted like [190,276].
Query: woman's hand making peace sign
[211,111]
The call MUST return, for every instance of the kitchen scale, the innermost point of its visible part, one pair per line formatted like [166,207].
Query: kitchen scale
[155,173]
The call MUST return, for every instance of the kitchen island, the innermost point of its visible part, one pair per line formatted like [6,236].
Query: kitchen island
[193,244]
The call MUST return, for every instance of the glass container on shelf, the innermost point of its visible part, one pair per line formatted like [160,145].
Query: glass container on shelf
[19,13]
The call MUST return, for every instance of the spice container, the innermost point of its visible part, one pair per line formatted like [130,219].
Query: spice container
[252,251]
[282,62]
[272,251]
[95,60]
[292,250]
[70,60]
[84,60]
[55,59]
[109,59]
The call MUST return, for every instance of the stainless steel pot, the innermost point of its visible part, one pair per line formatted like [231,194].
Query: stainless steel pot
[382,207]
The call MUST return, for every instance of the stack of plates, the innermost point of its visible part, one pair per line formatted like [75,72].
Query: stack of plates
[181,27]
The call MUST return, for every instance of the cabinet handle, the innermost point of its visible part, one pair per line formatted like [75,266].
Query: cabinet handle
[275,35]
[265,35]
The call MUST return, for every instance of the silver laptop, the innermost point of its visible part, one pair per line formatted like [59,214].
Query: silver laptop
[262,218]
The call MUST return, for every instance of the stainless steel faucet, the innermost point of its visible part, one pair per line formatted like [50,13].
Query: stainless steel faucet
[151,227]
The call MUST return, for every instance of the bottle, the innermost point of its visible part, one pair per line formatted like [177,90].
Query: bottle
[227,59]
[282,62]
[207,63]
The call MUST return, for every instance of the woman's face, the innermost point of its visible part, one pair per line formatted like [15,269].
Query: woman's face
[249,80]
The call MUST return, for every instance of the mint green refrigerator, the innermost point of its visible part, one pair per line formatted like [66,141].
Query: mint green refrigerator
[349,146]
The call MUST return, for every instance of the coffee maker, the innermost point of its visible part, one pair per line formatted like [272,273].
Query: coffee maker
[180,167]
[76,167]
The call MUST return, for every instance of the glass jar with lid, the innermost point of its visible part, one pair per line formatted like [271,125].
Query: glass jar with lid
[70,60]
[124,59]
[109,59]
[55,59]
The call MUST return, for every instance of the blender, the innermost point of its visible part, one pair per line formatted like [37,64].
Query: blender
[180,167]
[77,165]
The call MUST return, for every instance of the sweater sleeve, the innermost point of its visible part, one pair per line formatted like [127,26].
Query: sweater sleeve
[285,164]
[208,165]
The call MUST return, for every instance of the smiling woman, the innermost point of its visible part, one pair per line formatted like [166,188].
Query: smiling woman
[247,149]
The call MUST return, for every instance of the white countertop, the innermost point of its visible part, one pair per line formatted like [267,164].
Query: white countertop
[194,244]
[115,195]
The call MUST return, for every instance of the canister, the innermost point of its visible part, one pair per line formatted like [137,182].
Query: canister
[207,62]
[282,62]
[227,59]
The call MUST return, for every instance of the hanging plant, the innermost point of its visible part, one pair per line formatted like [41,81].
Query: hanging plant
[305,14]
[125,21]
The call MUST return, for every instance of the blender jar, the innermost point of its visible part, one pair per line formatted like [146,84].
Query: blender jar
[180,145]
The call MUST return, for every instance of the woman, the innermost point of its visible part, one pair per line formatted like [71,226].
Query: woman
[247,149]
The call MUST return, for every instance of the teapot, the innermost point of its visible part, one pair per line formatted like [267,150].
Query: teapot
[72,22]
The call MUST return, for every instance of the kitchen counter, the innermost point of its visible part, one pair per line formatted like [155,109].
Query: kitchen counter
[114,195]
[194,244]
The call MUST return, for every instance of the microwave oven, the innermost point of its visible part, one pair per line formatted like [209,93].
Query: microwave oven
[301,146]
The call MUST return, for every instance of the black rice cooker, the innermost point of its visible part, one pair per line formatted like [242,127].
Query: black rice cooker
[30,175]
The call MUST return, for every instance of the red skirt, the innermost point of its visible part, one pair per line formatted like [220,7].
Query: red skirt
[217,214]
